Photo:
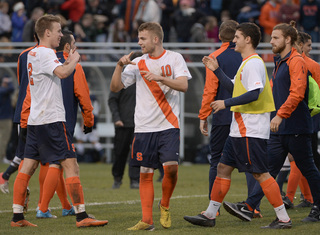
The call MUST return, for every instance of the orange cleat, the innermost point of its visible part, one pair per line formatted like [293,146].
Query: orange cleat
[22,223]
[88,222]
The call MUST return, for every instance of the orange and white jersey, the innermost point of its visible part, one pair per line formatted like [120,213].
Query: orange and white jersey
[253,76]
[45,87]
[157,105]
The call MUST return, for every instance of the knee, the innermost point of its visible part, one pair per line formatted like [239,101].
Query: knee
[171,170]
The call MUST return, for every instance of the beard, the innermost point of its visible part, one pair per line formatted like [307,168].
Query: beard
[279,49]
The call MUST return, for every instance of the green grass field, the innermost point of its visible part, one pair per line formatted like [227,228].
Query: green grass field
[122,206]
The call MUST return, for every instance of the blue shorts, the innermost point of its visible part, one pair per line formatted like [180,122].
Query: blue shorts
[247,154]
[20,148]
[49,143]
[154,148]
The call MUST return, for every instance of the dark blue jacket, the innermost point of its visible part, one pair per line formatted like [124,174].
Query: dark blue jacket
[290,89]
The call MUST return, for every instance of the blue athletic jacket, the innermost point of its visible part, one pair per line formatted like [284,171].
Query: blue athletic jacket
[290,88]
[229,62]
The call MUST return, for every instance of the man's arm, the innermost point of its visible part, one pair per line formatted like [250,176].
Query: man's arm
[113,102]
[116,83]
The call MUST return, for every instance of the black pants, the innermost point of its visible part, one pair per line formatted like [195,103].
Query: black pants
[122,141]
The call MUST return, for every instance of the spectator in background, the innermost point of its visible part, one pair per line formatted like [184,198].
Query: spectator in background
[6,113]
[310,18]
[198,31]
[86,29]
[148,11]
[18,19]
[269,18]
[243,9]
[75,9]
[212,29]
[102,17]
[5,21]
[249,12]
[167,9]
[28,30]
[128,11]
[117,32]
[183,19]
[289,11]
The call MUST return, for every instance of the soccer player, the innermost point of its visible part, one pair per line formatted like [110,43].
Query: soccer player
[159,76]
[291,124]
[245,147]
[48,140]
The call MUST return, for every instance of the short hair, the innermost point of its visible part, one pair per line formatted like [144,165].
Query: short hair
[45,22]
[152,27]
[288,30]
[227,30]
[250,30]
[66,38]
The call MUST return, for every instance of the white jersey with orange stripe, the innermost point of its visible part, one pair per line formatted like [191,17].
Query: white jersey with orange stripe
[157,105]
[45,87]
[253,76]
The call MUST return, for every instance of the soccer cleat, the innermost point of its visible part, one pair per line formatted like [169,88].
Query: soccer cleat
[4,184]
[201,220]
[47,215]
[239,210]
[304,203]
[134,185]
[287,203]
[116,184]
[256,214]
[66,212]
[88,222]
[142,226]
[277,224]
[314,215]
[22,223]
[165,216]
[26,201]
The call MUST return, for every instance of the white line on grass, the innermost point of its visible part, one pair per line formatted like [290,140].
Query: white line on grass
[121,202]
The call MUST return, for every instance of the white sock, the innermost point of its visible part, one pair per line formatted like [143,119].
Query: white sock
[282,213]
[212,209]
[79,208]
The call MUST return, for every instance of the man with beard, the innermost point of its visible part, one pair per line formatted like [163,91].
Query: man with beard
[246,147]
[291,124]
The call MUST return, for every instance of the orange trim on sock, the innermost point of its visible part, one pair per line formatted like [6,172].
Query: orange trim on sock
[305,189]
[49,187]
[146,196]
[271,189]
[62,192]
[219,189]
[169,182]
[42,176]
[75,191]
[293,181]
[20,188]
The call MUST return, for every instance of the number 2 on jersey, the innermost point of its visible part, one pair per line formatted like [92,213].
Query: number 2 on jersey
[30,73]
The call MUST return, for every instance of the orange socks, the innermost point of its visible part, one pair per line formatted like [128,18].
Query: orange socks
[75,191]
[272,192]
[294,178]
[20,188]
[168,183]
[219,189]
[49,187]
[62,192]
[305,189]
[21,163]
[42,176]
[146,196]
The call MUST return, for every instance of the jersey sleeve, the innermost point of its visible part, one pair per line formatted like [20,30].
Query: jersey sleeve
[128,76]
[49,62]
[180,68]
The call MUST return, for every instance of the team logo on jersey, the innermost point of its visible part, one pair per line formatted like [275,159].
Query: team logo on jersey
[139,156]
[32,53]
[57,61]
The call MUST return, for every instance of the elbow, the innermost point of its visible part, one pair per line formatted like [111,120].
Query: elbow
[62,75]
[114,88]
[184,88]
